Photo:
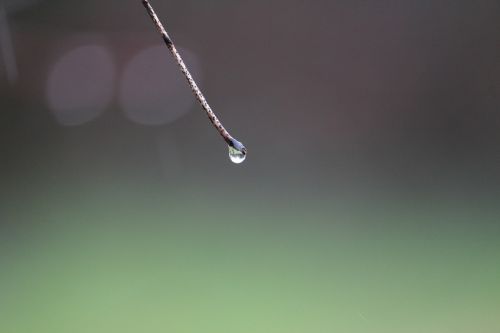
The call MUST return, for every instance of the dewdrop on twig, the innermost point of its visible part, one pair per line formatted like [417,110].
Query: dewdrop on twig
[237,151]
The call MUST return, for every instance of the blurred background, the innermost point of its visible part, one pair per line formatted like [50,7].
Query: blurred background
[369,200]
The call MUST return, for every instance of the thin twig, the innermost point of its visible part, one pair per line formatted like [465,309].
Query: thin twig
[194,87]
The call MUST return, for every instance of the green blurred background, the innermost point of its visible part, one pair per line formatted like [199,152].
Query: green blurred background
[369,201]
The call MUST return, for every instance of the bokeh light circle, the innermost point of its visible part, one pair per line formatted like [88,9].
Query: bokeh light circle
[80,85]
[153,91]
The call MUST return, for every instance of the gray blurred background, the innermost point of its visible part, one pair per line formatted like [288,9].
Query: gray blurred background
[368,201]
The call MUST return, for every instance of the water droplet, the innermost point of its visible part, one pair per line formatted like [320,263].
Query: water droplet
[237,156]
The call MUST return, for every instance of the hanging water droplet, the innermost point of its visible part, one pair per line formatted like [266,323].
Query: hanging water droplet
[237,156]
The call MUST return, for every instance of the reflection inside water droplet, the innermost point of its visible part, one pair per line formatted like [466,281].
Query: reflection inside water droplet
[236,156]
